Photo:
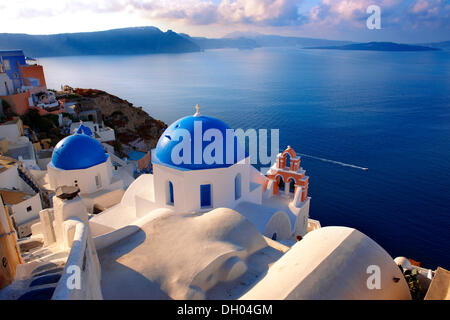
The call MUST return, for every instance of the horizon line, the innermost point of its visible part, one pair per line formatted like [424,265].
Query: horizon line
[218,37]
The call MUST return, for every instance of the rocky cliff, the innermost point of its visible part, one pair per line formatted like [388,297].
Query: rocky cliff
[130,123]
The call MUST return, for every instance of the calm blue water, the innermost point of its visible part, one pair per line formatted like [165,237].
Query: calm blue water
[388,111]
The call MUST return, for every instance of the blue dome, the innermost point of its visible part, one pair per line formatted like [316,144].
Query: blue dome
[78,151]
[83,129]
[172,137]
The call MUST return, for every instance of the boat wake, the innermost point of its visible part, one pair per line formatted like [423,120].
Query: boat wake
[335,162]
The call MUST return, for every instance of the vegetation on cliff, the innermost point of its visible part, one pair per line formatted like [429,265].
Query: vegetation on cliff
[45,127]
[129,123]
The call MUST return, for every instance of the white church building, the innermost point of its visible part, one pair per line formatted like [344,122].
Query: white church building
[193,186]
[80,160]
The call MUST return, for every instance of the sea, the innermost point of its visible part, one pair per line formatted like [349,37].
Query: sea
[341,110]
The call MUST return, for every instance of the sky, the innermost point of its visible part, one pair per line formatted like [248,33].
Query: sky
[407,21]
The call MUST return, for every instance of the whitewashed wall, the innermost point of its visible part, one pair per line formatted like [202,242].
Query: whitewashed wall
[85,177]
[21,215]
[187,186]
[10,132]
[82,261]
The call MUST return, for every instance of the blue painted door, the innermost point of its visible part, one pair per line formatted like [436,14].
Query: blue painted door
[205,195]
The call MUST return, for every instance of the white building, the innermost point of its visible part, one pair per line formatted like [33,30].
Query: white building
[12,130]
[21,197]
[80,160]
[99,132]
[201,187]
[23,208]
[44,100]
[17,145]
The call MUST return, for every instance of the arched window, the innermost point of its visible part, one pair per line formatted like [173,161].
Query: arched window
[205,196]
[170,197]
[98,181]
[280,183]
[292,186]
[288,160]
[237,187]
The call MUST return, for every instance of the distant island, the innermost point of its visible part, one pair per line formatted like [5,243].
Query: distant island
[444,45]
[251,40]
[378,46]
[149,40]
[142,40]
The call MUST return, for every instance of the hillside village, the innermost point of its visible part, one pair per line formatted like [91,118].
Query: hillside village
[33,119]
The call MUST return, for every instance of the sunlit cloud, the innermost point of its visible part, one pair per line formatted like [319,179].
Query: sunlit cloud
[429,13]
[327,18]
[261,12]
[394,12]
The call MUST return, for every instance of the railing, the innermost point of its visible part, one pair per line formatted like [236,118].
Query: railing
[27,180]
[81,276]
[26,176]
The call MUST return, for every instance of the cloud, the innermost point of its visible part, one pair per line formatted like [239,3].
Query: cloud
[190,11]
[394,13]
[429,13]
[198,12]
[350,12]
[339,13]
[270,12]
[49,8]
[322,18]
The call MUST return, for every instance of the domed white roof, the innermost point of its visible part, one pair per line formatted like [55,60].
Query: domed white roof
[332,263]
[404,263]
